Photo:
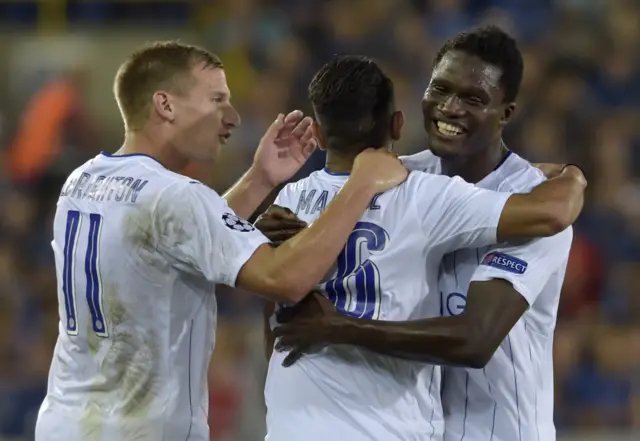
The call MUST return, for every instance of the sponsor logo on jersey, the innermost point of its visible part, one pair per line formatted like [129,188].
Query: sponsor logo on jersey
[505,262]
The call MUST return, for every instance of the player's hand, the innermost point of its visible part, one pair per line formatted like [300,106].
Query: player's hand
[304,327]
[279,224]
[549,170]
[379,168]
[284,148]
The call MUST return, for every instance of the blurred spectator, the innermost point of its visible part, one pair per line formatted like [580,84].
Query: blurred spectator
[583,283]
[55,117]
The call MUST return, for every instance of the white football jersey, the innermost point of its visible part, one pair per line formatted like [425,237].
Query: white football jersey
[350,393]
[511,399]
[138,250]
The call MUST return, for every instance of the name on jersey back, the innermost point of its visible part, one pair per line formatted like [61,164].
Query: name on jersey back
[101,188]
[315,201]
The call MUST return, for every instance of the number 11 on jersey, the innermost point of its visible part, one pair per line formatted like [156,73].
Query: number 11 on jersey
[91,270]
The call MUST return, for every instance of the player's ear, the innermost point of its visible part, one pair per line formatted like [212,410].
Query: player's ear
[507,114]
[397,122]
[163,106]
[317,133]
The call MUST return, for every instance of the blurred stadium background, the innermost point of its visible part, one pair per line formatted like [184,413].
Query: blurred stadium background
[580,102]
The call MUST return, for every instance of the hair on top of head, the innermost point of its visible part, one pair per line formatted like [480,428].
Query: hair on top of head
[494,46]
[155,66]
[353,101]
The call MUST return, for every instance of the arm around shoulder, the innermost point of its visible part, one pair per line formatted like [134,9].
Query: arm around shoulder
[548,209]
[287,273]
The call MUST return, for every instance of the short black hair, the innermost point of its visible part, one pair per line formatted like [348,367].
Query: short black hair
[494,46]
[353,100]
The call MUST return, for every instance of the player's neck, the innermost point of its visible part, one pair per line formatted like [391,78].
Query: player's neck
[337,163]
[142,143]
[475,168]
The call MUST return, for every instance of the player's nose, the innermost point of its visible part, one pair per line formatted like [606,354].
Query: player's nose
[451,106]
[232,117]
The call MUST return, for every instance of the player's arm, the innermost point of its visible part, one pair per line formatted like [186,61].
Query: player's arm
[248,192]
[198,233]
[455,214]
[471,217]
[449,341]
[548,209]
[500,292]
[278,224]
[287,273]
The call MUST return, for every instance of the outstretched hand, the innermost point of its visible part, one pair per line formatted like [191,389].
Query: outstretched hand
[285,147]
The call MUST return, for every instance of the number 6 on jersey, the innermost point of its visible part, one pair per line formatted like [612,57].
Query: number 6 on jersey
[91,265]
[356,288]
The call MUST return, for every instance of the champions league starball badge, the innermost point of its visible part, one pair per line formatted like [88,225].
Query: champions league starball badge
[237,224]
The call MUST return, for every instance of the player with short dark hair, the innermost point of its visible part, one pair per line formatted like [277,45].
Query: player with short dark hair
[354,102]
[494,46]
[499,303]
[139,249]
[387,272]
[471,98]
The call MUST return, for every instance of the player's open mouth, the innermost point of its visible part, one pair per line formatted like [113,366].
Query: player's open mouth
[448,130]
[223,138]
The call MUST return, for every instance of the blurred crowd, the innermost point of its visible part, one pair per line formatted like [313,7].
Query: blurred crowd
[579,103]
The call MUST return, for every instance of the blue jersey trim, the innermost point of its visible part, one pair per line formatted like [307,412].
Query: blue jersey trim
[327,171]
[130,155]
[503,160]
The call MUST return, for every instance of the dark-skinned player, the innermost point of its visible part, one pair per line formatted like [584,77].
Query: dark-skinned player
[468,102]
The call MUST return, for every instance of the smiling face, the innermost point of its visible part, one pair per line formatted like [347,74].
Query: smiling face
[463,107]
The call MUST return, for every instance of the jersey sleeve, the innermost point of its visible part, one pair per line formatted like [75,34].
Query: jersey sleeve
[200,234]
[527,267]
[455,214]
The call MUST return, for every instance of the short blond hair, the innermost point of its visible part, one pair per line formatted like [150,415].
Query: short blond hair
[159,65]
